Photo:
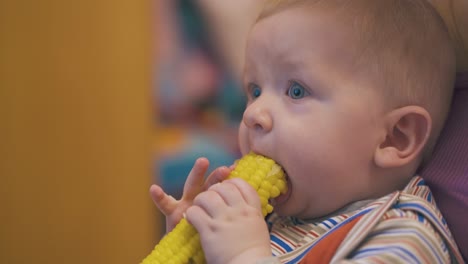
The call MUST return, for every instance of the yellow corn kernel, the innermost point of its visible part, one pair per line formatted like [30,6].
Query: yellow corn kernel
[182,245]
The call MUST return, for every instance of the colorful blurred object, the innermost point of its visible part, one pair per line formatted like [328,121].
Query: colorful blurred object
[199,100]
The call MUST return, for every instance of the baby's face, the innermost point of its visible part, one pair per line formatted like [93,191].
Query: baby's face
[311,111]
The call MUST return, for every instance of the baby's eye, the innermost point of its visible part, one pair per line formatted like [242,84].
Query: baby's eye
[296,91]
[255,91]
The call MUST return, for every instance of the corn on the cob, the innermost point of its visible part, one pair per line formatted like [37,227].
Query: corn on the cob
[182,245]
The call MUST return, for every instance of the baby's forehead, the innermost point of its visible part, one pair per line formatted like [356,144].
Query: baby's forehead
[304,24]
[310,24]
[292,44]
[294,33]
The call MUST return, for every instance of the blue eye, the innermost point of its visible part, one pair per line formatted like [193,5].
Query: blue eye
[255,91]
[296,91]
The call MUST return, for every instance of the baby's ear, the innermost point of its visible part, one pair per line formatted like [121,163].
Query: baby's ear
[407,131]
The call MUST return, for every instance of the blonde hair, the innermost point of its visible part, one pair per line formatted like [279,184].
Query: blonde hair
[404,45]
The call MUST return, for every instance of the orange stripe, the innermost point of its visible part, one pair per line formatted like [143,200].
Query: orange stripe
[299,230]
[314,233]
[324,250]
[284,239]
[278,247]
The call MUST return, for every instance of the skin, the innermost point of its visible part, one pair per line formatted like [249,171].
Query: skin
[174,209]
[325,138]
[311,111]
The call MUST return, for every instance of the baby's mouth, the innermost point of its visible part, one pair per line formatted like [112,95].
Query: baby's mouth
[283,197]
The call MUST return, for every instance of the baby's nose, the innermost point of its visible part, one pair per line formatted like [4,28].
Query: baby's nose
[257,116]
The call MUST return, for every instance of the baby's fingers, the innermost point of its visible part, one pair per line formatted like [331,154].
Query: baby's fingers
[246,191]
[199,218]
[194,183]
[163,201]
[218,175]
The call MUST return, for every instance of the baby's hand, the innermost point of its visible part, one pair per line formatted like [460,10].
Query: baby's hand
[174,209]
[229,220]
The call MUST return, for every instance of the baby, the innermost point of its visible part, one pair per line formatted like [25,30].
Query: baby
[349,97]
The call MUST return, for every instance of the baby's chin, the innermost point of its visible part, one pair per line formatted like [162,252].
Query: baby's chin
[289,212]
[285,206]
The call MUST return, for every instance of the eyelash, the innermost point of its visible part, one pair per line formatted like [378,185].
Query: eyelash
[254,91]
[291,93]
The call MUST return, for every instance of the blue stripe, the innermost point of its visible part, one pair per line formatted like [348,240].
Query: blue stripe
[421,208]
[443,221]
[280,242]
[300,256]
[333,221]
[414,232]
[325,224]
[370,252]
[421,218]
[386,250]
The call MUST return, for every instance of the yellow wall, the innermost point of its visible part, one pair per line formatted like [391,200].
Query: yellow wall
[75,131]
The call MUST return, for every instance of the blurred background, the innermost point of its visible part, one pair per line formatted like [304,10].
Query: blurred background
[199,98]
[100,99]
[198,84]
